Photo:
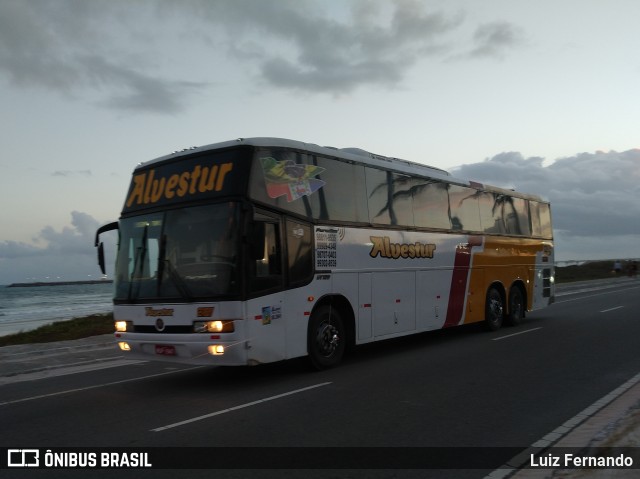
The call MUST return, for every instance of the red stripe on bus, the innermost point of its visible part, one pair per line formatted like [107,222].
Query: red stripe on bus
[457,292]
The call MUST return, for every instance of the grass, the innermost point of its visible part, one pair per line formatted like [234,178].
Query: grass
[76,328]
[588,271]
[103,323]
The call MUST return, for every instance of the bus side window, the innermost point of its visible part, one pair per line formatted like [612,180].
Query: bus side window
[540,219]
[517,217]
[545,220]
[266,259]
[464,208]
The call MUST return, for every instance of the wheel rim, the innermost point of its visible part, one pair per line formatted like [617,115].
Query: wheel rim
[495,308]
[517,307]
[327,339]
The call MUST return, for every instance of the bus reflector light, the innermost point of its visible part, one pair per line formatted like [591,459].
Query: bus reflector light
[216,349]
[124,346]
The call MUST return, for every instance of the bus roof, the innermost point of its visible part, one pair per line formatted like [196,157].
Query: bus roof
[357,155]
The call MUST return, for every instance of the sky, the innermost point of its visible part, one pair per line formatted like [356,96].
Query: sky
[539,96]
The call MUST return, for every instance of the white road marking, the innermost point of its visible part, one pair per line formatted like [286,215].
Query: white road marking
[69,391]
[599,287]
[515,334]
[235,408]
[621,290]
[71,368]
[611,309]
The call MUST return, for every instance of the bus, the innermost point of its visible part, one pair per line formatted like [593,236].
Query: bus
[263,249]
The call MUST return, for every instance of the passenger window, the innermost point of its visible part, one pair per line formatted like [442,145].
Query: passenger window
[465,215]
[279,178]
[540,219]
[390,198]
[343,197]
[491,207]
[430,204]
[516,217]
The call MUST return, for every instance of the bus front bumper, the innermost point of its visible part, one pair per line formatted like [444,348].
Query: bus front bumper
[183,348]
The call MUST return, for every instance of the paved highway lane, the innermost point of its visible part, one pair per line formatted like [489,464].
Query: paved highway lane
[460,387]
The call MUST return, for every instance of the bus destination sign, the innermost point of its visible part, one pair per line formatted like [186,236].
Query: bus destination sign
[200,177]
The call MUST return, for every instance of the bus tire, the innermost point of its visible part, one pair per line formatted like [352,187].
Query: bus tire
[326,338]
[516,306]
[494,310]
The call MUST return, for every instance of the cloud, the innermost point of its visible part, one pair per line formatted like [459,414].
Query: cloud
[320,53]
[73,47]
[68,253]
[15,249]
[125,53]
[494,39]
[134,90]
[594,196]
[66,173]
[76,239]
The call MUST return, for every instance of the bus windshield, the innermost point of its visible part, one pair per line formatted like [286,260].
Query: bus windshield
[179,254]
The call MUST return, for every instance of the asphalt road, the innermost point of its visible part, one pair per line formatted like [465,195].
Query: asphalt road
[461,387]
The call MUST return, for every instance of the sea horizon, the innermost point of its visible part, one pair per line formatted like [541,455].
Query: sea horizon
[29,307]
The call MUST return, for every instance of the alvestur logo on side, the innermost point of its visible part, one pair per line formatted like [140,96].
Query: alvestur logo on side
[383,247]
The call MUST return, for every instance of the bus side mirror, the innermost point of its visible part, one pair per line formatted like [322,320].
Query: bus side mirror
[100,245]
[101,257]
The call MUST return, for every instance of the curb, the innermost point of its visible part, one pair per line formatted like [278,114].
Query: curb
[34,358]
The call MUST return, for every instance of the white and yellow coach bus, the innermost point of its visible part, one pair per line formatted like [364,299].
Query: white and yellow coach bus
[259,250]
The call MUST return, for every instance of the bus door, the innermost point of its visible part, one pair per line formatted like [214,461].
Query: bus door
[265,329]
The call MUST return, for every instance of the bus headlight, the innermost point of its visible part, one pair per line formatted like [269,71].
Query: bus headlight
[216,349]
[124,326]
[224,326]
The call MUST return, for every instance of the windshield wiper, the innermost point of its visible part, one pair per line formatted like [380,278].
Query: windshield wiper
[141,252]
[177,280]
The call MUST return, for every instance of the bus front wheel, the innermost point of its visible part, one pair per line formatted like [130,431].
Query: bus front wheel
[494,310]
[326,338]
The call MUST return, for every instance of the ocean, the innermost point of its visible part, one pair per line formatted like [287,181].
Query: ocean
[27,308]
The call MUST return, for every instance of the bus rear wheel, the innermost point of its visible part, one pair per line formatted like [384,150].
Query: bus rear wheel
[516,306]
[494,310]
[326,338]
